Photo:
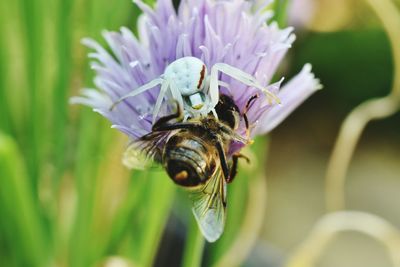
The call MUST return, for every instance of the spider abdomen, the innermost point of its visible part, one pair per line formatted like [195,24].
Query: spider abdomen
[188,74]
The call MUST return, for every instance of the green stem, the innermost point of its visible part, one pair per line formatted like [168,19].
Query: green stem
[194,246]
[126,212]
[280,8]
[17,206]
[354,124]
[5,114]
[32,15]
[156,210]
[389,14]
[60,93]
[88,155]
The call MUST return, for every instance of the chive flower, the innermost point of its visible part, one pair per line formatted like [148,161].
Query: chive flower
[174,50]
[233,32]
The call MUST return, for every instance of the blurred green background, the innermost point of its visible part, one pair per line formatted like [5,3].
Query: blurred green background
[66,199]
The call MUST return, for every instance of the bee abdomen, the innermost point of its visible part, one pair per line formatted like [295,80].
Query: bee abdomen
[188,166]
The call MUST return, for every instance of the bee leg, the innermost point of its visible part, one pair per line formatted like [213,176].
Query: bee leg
[224,164]
[234,166]
[246,109]
[162,124]
[233,170]
[166,119]
[175,126]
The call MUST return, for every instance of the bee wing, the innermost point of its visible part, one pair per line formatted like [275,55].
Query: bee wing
[209,205]
[134,158]
[142,152]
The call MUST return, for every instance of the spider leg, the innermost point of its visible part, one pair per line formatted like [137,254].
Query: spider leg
[176,94]
[223,84]
[214,113]
[138,90]
[160,98]
[213,90]
[210,107]
[242,77]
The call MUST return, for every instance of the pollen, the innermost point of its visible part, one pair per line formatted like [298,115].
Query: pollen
[198,106]
[183,175]
[196,101]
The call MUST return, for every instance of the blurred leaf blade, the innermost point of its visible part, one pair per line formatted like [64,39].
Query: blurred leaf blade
[32,15]
[17,197]
[193,253]
[91,146]
[5,112]
[60,92]
[156,202]
[126,212]
[280,12]
[89,155]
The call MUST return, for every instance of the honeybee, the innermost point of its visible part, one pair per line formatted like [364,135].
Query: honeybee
[194,154]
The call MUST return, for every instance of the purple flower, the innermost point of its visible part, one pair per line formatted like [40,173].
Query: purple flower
[228,32]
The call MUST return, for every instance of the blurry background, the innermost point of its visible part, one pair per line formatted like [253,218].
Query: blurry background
[66,199]
[350,53]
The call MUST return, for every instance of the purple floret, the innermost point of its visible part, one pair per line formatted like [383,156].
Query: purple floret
[234,32]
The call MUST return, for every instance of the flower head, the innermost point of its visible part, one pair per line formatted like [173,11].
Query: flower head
[228,32]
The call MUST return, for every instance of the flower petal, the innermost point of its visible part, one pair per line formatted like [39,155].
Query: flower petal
[232,32]
[292,95]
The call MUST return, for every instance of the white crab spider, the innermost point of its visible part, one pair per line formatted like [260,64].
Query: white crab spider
[188,83]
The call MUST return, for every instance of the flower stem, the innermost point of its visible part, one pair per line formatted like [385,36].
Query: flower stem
[193,253]
[32,15]
[60,92]
[5,122]
[280,9]
[389,14]
[25,231]
[373,109]
[151,215]
[334,223]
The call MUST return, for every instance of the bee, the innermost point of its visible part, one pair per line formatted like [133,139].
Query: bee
[194,155]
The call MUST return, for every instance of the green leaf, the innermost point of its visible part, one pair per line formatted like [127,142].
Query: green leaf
[280,12]
[17,206]
[194,246]
[156,201]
